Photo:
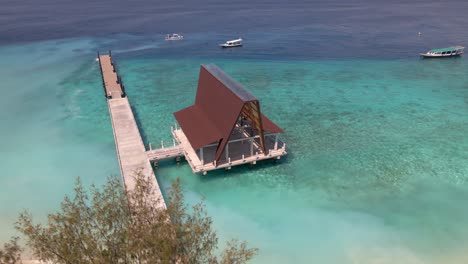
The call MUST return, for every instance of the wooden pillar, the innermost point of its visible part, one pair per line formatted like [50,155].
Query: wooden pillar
[201,156]
[227,151]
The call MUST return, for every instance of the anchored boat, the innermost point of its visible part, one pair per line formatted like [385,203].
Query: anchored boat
[232,43]
[444,52]
[174,37]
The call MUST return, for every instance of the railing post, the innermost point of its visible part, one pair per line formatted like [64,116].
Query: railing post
[173,141]
[150,145]
[162,144]
[251,147]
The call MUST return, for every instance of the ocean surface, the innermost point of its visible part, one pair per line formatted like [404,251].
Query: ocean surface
[377,169]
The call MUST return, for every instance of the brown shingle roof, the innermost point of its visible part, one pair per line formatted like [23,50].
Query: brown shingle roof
[218,104]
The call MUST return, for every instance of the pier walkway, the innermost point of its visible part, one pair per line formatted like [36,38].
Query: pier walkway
[110,78]
[131,152]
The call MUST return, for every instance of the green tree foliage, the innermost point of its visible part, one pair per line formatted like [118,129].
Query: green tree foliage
[111,226]
[11,252]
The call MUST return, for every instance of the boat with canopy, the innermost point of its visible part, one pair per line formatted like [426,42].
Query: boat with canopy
[444,52]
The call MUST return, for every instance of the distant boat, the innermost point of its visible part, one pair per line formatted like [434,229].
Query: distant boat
[174,37]
[232,43]
[444,52]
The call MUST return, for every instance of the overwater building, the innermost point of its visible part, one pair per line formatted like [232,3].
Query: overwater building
[225,126]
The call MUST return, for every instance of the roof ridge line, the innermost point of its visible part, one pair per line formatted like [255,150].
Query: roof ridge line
[229,78]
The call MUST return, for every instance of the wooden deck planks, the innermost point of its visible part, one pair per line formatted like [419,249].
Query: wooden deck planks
[165,153]
[113,88]
[131,152]
[197,166]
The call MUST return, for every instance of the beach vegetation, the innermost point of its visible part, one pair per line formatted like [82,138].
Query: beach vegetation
[11,252]
[107,225]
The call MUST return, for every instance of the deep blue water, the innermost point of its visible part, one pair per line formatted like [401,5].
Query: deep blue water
[377,168]
[290,29]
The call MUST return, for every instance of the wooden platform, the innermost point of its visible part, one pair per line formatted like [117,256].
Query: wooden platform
[203,163]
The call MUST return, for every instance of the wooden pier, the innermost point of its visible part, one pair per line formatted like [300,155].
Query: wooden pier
[131,152]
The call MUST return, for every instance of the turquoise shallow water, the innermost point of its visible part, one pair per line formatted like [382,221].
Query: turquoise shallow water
[54,127]
[376,173]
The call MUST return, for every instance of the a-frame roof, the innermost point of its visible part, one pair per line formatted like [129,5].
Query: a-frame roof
[218,104]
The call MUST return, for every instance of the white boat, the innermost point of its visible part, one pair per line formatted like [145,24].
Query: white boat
[232,43]
[174,36]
